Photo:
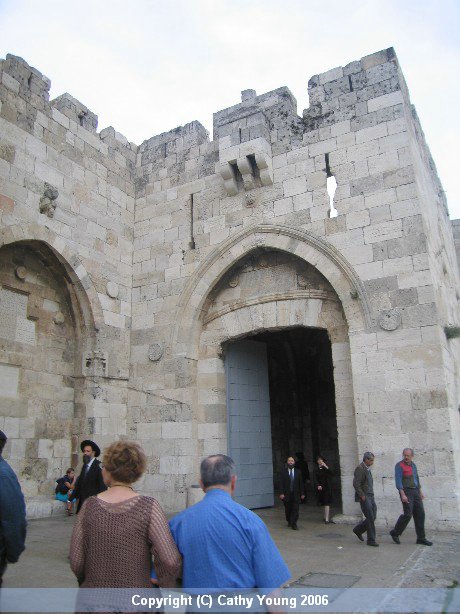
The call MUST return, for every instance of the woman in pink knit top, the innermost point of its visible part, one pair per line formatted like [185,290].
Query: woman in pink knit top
[118,532]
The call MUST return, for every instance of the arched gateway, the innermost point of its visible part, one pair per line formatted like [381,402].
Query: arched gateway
[271,338]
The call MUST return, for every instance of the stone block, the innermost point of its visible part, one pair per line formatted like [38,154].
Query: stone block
[331,75]
[45,448]
[358,219]
[9,377]
[176,430]
[387,100]
[291,187]
[371,133]
[383,231]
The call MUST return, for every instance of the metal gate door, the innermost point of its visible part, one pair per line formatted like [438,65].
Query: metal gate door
[248,422]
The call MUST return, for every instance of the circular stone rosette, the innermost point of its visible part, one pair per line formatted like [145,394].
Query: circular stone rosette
[155,352]
[390,320]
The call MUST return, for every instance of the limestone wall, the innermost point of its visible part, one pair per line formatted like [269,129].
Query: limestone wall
[68,189]
[166,223]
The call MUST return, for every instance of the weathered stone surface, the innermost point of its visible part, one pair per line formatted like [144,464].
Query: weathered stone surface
[118,304]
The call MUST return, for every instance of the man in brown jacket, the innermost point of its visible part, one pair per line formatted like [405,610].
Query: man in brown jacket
[364,493]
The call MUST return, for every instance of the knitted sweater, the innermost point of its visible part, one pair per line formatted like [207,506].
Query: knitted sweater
[113,543]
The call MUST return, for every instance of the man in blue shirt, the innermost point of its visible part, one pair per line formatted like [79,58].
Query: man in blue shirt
[12,514]
[223,544]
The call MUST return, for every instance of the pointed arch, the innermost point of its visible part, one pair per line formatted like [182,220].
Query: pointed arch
[74,268]
[307,246]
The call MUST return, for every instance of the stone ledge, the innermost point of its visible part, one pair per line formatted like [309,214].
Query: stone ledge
[43,507]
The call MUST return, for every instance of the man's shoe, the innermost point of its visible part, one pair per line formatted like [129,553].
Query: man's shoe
[395,537]
[358,535]
[424,542]
[295,527]
[375,544]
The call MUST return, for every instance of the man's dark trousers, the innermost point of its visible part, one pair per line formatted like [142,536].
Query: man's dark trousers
[293,490]
[291,509]
[413,507]
[369,509]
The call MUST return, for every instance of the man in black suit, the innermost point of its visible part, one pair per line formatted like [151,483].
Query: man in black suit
[293,492]
[90,480]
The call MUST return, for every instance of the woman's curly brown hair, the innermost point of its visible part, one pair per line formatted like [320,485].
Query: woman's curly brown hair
[125,461]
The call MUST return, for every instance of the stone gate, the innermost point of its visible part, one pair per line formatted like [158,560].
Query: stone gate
[126,273]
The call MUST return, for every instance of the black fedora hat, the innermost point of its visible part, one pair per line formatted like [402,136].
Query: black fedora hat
[95,447]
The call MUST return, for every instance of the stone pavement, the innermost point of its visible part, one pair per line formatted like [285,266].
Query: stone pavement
[331,552]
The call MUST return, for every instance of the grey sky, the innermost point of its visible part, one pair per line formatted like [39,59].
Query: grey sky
[147,66]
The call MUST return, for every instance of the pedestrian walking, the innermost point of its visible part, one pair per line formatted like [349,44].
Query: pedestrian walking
[363,484]
[323,484]
[410,491]
[292,492]
[90,481]
[118,531]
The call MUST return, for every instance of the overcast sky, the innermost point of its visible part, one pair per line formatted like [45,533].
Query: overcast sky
[147,66]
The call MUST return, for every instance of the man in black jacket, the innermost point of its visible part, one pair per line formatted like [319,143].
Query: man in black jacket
[292,492]
[12,514]
[363,483]
[90,480]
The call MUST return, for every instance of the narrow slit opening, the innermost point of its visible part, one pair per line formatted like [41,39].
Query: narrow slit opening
[331,187]
[192,238]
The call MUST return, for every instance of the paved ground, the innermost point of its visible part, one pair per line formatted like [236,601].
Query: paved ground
[314,549]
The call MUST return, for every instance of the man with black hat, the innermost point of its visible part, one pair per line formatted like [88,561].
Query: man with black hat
[90,480]
[12,514]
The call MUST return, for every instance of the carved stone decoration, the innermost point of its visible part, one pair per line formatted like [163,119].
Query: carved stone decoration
[390,319]
[250,200]
[95,363]
[354,294]
[155,352]
[264,262]
[234,281]
[48,200]
[302,282]
[59,318]
[112,289]
[21,272]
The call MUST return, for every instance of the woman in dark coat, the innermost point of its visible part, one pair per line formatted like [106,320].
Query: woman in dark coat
[323,483]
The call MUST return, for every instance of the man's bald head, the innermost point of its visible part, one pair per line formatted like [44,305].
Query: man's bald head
[217,470]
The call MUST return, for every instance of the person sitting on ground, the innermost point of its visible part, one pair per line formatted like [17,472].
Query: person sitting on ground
[64,487]
[118,531]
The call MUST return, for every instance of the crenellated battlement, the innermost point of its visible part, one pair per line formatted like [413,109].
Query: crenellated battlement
[76,111]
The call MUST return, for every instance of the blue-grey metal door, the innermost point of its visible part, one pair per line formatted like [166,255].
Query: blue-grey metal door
[248,422]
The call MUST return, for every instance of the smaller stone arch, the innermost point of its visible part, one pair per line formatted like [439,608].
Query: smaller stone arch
[50,326]
[307,246]
[74,268]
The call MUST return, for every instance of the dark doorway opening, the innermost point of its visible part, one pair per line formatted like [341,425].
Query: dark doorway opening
[302,401]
